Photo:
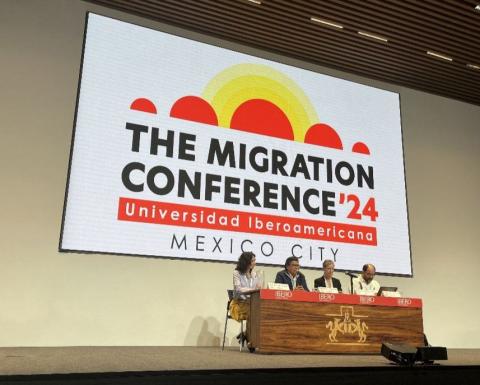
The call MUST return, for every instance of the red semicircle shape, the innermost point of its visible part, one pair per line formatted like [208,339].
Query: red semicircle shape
[144,105]
[361,148]
[262,117]
[322,134]
[195,109]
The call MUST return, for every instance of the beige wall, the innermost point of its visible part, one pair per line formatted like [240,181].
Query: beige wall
[53,299]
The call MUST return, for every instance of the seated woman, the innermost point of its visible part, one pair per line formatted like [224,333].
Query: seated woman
[327,280]
[245,281]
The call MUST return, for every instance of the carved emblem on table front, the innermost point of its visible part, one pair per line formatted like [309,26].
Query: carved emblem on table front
[347,323]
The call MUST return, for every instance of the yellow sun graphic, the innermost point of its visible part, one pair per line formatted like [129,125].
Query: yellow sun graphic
[243,82]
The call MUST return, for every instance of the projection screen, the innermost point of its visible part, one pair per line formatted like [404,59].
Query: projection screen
[186,150]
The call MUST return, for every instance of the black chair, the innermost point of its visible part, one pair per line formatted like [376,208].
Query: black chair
[227,317]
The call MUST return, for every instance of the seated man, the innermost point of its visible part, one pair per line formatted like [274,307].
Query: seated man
[365,281]
[291,276]
[327,280]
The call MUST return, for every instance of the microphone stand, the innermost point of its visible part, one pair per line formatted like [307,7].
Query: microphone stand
[351,280]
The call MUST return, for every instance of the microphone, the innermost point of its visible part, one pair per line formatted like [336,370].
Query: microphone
[351,274]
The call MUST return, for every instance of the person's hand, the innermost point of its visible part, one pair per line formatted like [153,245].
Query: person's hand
[299,287]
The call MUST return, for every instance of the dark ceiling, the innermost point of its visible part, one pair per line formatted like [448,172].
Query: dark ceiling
[449,28]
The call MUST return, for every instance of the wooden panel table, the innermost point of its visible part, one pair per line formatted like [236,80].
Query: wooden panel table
[312,322]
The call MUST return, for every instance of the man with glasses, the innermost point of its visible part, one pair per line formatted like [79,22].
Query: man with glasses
[291,276]
[327,280]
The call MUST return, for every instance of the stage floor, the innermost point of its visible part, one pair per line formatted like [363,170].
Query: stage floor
[50,360]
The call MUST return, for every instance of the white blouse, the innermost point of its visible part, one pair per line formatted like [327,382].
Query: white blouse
[244,284]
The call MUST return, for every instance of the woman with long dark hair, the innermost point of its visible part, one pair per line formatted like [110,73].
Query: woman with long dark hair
[245,281]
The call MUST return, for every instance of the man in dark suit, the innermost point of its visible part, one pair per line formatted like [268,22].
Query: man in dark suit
[327,280]
[291,276]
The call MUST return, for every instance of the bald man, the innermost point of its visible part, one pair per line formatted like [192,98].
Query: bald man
[365,282]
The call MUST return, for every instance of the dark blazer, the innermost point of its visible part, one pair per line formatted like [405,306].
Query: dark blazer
[320,282]
[282,277]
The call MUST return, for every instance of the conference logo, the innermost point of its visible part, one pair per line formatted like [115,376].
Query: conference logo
[255,100]
[347,323]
